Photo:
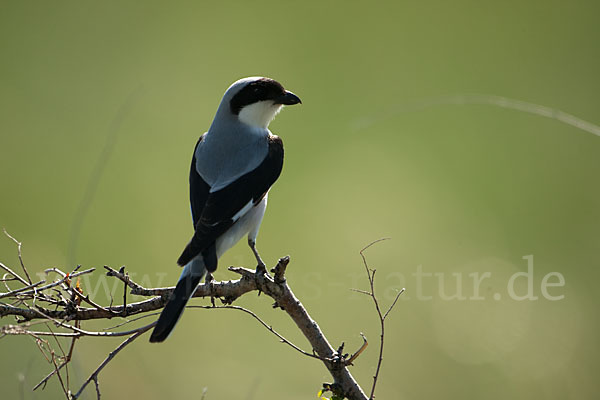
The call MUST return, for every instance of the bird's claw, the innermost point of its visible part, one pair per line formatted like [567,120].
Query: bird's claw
[209,281]
[261,268]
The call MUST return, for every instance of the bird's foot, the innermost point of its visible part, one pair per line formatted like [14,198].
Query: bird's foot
[209,281]
[261,268]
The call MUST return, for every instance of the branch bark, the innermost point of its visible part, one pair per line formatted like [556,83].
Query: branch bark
[275,286]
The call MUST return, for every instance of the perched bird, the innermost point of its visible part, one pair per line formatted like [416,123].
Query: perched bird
[233,167]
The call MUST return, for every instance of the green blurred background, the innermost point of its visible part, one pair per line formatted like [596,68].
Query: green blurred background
[101,103]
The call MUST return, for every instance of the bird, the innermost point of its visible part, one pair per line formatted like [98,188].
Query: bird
[234,165]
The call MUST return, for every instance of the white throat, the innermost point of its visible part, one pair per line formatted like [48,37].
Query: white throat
[259,114]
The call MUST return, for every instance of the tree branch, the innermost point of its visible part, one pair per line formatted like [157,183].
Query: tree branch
[274,286]
[67,313]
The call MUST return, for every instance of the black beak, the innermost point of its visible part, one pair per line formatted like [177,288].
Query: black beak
[288,99]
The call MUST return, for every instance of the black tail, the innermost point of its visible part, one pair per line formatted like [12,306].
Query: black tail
[192,249]
[172,311]
[197,246]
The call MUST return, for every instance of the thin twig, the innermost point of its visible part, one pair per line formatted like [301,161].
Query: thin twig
[86,299]
[63,358]
[17,291]
[269,328]
[97,387]
[111,355]
[10,271]
[394,302]
[371,277]
[361,291]
[61,281]
[122,270]
[77,332]
[50,375]
[19,253]
[62,384]
[129,321]
[63,364]
[135,288]
[360,350]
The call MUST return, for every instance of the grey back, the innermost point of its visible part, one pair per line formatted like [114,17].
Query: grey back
[230,148]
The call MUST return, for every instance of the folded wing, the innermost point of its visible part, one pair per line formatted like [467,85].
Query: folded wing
[214,213]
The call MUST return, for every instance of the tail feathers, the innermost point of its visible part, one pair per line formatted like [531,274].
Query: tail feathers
[192,249]
[170,314]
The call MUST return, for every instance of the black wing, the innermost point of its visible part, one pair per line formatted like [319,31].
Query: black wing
[198,188]
[219,208]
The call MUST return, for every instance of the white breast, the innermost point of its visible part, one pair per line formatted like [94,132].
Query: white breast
[248,224]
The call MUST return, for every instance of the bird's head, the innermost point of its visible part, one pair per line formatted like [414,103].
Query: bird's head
[256,101]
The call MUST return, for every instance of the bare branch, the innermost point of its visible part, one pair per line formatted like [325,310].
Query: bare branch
[97,387]
[20,290]
[227,291]
[371,277]
[60,281]
[125,279]
[67,315]
[62,384]
[111,355]
[10,271]
[129,321]
[393,303]
[360,350]
[361,291]
[19,253]
[63,364]
[77,333]
[50,375]
[269,328]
